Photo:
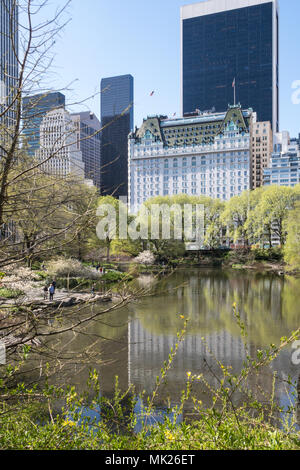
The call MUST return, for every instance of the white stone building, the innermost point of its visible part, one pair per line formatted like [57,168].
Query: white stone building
[58,145]
[201,154]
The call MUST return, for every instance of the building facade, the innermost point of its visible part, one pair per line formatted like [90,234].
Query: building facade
[227,42]
[117,122]
[35,107]
[261,150]
[207,155]
[88,141]
[58,146]
[296,141]
[9,49]
[284,168]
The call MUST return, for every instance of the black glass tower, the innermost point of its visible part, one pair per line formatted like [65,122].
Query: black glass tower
[227,43]
[117,123]
[9,49]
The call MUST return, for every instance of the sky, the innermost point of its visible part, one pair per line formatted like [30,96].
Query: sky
[142,38]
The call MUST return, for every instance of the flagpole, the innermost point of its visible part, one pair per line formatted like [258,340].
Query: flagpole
[234,93]
[234,90]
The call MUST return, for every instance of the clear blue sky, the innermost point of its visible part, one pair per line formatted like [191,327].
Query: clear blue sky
[116,37]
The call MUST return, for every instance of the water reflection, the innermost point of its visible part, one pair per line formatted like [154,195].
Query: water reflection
[134,342]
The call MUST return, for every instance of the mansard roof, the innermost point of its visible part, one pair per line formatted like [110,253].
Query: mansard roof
[195,129]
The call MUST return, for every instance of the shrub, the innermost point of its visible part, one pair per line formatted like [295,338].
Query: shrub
[267,254]
[36,266]
[115,276]
[42,275]
[108,265]
[10,293]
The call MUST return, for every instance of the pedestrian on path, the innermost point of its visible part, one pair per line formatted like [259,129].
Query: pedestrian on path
[51,292]
[93,290]
[45,291]
[53,283]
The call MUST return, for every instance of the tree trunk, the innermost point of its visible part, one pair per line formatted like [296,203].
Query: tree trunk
[270,238]
[79,253]
[108,250]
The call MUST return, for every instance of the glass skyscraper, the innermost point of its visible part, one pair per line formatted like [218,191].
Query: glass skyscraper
[226,42]
[34,109]
[8,55]
[117,122]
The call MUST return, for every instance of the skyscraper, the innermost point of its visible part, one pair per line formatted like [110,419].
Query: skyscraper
[117,123]
[34,109]
[8,55]
[88,139]
[229,44]
[58,146]
[261,149]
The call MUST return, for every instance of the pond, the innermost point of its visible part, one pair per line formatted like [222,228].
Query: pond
[134,342]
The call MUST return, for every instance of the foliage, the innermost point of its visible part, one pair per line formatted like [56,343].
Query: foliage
[292,247]
[48,212]
[110,232]
[115,276]
[10,293]
[267,254]
[235,216]
[267,218]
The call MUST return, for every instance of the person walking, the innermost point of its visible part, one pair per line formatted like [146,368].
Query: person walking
[53,283]
[93,290]
[51,292]
[45,291]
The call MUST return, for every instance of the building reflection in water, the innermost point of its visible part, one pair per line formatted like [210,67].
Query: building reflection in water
[134,342]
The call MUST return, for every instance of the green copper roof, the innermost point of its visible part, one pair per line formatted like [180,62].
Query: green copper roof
[195,130]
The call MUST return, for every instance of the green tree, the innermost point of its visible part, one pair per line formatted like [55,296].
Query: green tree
[292,246]
[271,211]
[105,204]
[235,216]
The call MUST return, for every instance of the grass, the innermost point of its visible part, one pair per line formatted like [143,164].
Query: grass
[18,431]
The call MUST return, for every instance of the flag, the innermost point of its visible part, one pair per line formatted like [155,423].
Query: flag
[233,83]
[152,93]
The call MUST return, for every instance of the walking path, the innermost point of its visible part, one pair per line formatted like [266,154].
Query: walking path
[36,297]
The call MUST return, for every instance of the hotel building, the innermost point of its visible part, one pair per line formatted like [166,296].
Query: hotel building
[201,154]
